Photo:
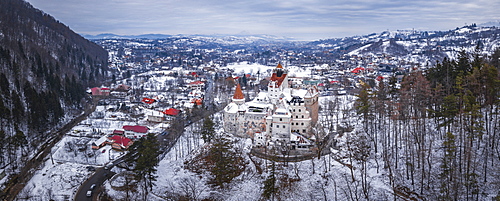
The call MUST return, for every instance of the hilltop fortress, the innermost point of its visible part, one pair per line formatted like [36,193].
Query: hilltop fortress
[282,117]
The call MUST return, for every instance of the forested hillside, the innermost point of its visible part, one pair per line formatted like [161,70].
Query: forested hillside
[44,69]
[438,134]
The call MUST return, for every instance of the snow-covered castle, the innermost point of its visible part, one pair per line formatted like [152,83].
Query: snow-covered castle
[281,117]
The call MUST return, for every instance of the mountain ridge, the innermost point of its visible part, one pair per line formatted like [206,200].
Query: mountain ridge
[44,69]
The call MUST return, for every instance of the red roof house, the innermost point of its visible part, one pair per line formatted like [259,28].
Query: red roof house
[196,83]
[120,142]
[96,91]
[171,112]
[135,131]
[136,128]
[148,100]
[358,70]
[105,91]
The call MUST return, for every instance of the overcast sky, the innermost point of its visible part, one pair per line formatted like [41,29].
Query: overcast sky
[299,19]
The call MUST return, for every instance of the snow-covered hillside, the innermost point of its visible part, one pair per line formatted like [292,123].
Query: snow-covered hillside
[419,46]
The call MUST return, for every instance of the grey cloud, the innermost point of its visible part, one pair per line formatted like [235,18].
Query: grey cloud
[304,19]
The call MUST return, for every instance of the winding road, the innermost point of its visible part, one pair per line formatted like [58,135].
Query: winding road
[17,183]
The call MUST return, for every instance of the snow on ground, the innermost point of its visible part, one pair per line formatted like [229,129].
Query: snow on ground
[58,181]
[312,179]
[71,156]
[65,170]
[245,68]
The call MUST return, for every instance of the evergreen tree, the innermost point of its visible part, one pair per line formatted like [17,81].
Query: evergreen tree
[207,131]
[270,188]
[145,153]
[225,164]
[364,105]
[448,168]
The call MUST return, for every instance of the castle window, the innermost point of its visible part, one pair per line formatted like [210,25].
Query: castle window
[302,123]
[302,116]
[303,130]
[277,126]
[283,126]
[300,110]
[281,119]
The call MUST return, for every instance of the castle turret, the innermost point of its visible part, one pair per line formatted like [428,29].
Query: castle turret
[311,103]
[238,96]
[278,82]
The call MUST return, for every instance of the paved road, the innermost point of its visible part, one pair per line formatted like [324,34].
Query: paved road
[97,178]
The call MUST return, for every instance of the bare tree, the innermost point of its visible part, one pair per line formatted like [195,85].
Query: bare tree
[192,188]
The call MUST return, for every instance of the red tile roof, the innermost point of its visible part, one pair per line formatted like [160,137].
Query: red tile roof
[196,82]
[137,129]
[121,140]
[148,100]
[277,79]
[238,94]
[171,111]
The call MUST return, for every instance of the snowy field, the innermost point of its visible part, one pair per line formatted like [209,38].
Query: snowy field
[245,68]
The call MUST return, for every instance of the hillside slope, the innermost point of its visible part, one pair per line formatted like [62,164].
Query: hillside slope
[44,69]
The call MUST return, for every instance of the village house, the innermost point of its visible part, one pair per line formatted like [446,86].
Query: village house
[196,85]
[119,142]
[100,91]
[122,88]
[135,132]
[156,116]
[101,142]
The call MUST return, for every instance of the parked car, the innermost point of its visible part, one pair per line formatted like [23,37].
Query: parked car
[92,187]
[89,193]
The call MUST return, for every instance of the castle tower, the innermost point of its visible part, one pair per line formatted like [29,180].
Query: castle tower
[278,82]
[311,103]
[238,96]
